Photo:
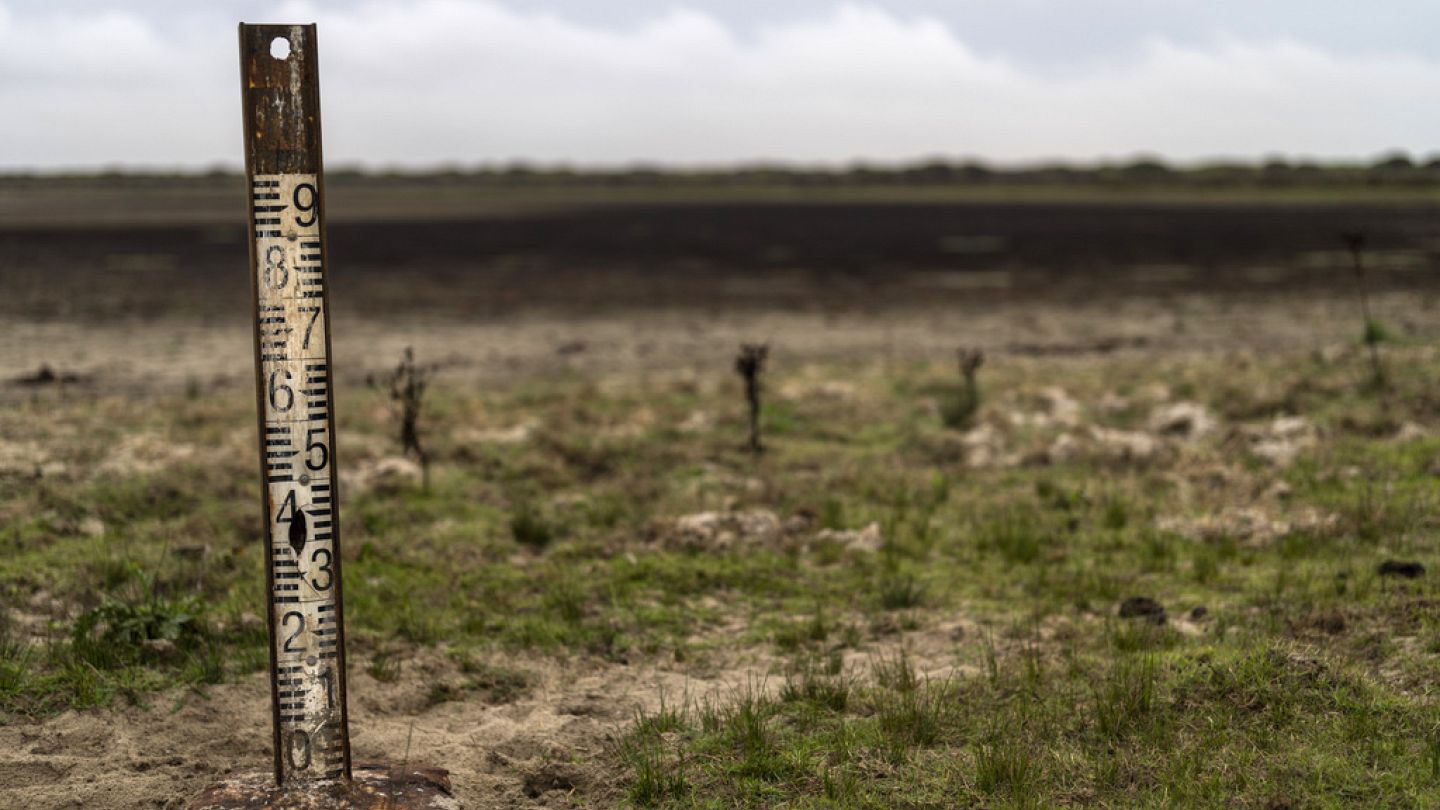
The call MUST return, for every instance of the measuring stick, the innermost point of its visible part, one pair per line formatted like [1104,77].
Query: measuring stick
[295,403]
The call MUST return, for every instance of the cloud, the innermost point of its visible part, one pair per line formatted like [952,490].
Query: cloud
[471,81]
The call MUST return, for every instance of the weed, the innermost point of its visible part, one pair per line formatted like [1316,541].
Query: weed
[901,592]
[1017,535]
[1125,696]
[817,685]
[116,633]
[1374,332]
[1002,765]
[385,666]
[530,527]
[496,683]
[406,386]
[655,777]
[958,412]
[750,364]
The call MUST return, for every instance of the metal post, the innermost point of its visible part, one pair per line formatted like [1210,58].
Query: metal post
[300,493]
[283,163]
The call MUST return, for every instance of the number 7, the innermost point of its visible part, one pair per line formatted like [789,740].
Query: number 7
[314,316]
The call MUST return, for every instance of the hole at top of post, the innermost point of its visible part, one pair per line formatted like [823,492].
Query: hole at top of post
[280,48]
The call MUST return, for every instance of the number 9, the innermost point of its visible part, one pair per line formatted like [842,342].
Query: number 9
[306,207]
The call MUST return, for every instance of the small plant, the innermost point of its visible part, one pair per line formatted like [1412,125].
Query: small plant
[1125,697]
[530,527]
[117,633]
[901,592]
[1016,535]
[958,412]
[406,386]
[385,666]
[1375,332]
[750,364]
[1002,765]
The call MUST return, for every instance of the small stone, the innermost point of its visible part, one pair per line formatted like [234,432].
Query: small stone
[1404,569]
[159,647]
[1183,420]
[1142,607]
[866,540]
[92,526]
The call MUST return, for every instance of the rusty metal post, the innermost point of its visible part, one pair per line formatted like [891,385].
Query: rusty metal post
[300,492]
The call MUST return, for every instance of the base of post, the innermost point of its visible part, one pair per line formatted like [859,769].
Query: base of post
[375,785]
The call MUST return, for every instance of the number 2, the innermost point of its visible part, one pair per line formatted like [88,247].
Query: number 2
[285,622]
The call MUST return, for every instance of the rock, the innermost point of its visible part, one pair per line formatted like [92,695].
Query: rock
[506,436]
[1156,392]
[1401,568]
[1113,404]
[984,446]
[1057,403]
[1279,491]
[1124,445]
[1064,448]
[1410,432]
[1250,524]
[723,530]
[1182,420]
[697,422]
[159,647]
[91,526]
[1054,406]
[1279,442]
[1199,613]
[1142,607]
[388,475]
[866,540]
[832,390]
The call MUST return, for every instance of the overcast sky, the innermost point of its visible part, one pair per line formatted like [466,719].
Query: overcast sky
[88,83]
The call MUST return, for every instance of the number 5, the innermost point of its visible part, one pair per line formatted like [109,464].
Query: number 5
[311,446]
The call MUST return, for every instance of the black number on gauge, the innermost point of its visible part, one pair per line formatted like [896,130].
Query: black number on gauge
[305,198]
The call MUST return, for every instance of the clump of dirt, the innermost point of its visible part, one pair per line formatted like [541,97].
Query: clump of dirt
[1142,607]
[45,375]
[1403,569]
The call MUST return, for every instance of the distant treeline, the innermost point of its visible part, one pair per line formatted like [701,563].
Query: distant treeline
[1392,171]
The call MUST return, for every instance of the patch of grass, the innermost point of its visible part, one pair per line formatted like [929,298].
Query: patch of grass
[901,592]
[1017,535]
